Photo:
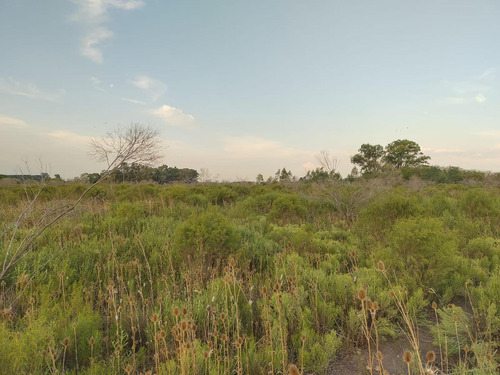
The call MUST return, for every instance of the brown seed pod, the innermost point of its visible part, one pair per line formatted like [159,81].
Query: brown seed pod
[293,370]
[362,294]
[430,356]
[154,318]
[407,356]
[381,266]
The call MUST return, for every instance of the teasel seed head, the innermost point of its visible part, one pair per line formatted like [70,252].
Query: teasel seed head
[362,294]
[430,356]
[293,370]
[407,356]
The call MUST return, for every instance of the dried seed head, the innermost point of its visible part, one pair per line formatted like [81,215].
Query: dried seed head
[369,304]
[380,356]
[91,341]
[466,349]
[303,337]
[175,311]
[66,342]
[362,294]
[375,306]
[184,325]
[184,311]
[293,370]
[154,318]
[223,337]
[222,316]
[381,266]
[430,356]
[407,356]
[162,334]
[264,290]
[434,305]
[128,369]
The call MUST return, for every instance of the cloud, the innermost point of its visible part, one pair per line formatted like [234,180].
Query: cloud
[480,98]
[92,16]
[97,83]
[65,151]
[443,150]
[470,90]
[28,90]
[140,102]
[6,121]
[175,117]
[152,87]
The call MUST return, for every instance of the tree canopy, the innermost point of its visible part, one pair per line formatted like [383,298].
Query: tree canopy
[404,153]
[369,158]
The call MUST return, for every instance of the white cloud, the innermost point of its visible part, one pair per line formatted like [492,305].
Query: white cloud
[97,83]
[175,117]
[6,121]
[92,15]
[153,87]
[470,90]
[65,151]
[480,98]
[140,102]
[91,42]
[28,90]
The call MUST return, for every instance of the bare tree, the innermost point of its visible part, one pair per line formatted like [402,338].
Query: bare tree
[328,163]
[135,144]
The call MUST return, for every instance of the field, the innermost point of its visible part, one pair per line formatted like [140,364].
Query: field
[251,278]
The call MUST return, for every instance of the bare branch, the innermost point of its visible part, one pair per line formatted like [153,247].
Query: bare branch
[135,144]
[329,163]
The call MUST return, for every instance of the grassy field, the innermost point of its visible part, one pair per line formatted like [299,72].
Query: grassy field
[248,279]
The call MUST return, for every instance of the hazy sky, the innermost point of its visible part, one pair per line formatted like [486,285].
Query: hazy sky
[247,87]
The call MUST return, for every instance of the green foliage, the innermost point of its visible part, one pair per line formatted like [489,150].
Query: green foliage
[369,158]
[278,260]
[208,237]
[404,153]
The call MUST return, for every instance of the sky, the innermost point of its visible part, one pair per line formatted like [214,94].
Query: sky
[239,88]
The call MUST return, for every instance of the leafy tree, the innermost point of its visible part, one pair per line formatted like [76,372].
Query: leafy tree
[165,174]
[259,179]
[369,158]
[283,175]
[404,153]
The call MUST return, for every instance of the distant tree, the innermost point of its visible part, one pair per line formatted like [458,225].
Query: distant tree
[134,172]
[320,174]
[283,175]
[404,153]
[369,158]
[259,179]
[57,176]
[165,175]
